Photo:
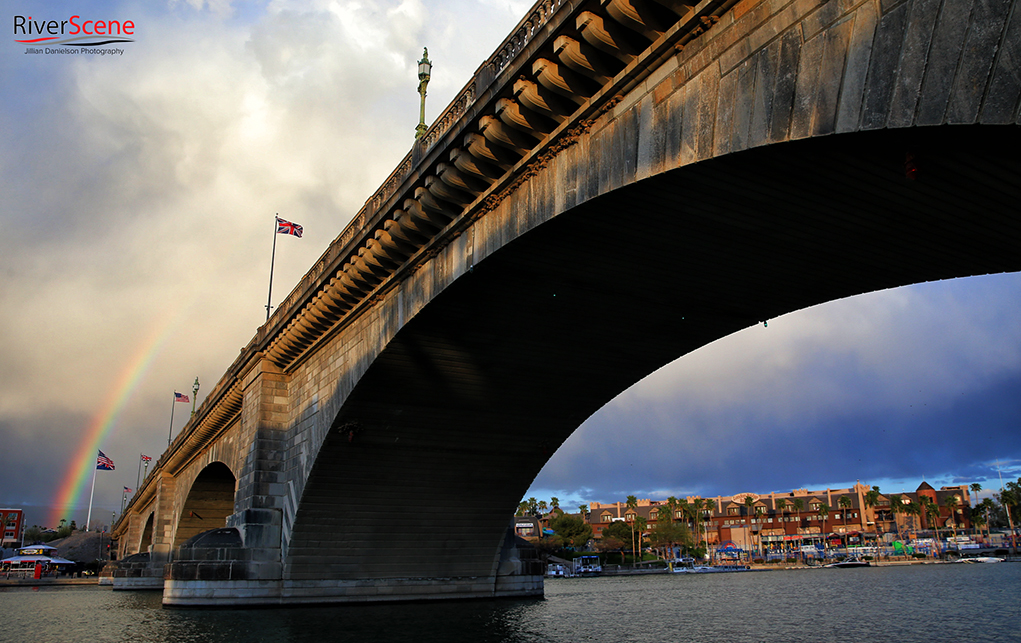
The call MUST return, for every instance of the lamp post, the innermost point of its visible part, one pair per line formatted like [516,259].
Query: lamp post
[424,69]
[194,394]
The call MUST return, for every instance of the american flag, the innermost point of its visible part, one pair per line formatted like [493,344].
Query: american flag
[180,397]
[146,458]
[104,463]
[127,490]
[286,227]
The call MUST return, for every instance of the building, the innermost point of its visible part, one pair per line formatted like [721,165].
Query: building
[786,521]
[14,527]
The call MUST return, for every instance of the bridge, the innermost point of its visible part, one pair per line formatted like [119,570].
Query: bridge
[622,182]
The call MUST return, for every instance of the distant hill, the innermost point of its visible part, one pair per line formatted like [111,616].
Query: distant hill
[82,546]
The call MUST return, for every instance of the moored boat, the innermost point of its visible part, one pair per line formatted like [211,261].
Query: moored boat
[851,561]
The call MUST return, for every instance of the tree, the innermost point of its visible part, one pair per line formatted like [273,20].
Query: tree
[619,532]
[871,500]
[1009,500]
[554,503]
[33,534]
[533,506]
[573,529]
[951,503]
[844,503]
[542,507]
[932,515]
[522,508]
[781,506]
[584,510]
[975,488]
[799,504]
[760,511]
[632,505]
[824,511]
[665,533]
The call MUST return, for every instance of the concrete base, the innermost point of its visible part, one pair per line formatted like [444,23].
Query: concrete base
[137,582]
[244,593]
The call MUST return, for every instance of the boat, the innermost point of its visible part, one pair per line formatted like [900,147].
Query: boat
[850,561]
[587,566]
[711,569]
[980,559]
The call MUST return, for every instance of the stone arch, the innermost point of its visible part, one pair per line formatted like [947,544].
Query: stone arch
[145,542]
[438,441]
[209,502]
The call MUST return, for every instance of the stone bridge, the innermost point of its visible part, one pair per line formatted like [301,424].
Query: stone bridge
[623,182]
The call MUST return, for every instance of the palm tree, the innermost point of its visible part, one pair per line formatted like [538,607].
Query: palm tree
[975,488]
[760,511]
[1008,500]
[799,504]
[632,504]
[696,507]
[871,500]
[844,503]
[951,503]
[554,503]
[824,511]
[987,506]
[781,506]
[542,507]
[533,506]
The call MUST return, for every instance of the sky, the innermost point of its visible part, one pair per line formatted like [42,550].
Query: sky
[139,191]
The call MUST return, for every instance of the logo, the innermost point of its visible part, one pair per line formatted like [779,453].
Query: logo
[72,36]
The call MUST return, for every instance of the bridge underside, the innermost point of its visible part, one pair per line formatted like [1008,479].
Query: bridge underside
[432,452]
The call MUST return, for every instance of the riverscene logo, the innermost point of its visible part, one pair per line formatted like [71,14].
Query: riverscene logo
[72,36]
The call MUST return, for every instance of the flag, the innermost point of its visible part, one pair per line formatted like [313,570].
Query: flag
[146,458]
[104,463]
[179,397]
[286,227]
[126,490]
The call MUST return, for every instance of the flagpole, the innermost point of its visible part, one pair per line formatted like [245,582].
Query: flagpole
[91,495]
[138,478]
[272,260]
[171,434]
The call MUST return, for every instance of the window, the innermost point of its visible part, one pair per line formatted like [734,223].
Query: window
[733,511]
[815,506]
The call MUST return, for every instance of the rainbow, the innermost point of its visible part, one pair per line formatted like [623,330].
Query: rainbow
[83,463]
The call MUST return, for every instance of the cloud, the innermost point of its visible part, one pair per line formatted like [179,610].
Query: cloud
[902,383]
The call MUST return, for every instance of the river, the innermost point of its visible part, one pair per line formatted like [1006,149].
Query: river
[890,603]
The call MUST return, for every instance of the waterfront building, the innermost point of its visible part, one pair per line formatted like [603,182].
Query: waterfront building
[14,527]
[787,521]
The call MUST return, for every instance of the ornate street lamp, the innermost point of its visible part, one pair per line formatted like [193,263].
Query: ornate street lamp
[424,69]
[194,394]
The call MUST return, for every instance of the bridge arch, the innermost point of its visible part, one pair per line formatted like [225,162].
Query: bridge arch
[778,162]
[771,157]
[145,540]
[472,396]
[210,500]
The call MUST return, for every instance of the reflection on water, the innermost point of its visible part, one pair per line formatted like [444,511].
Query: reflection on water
[905,604]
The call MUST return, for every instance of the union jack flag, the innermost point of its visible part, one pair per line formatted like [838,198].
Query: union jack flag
[180,397]
[146,458]
[286,227]
[104,463]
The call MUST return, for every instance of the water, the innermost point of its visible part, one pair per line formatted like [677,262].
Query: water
[903,604]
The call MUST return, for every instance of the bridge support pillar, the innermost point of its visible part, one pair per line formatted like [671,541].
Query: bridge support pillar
[215,575]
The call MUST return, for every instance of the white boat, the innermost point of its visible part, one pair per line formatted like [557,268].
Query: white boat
[851,561]
[981,559]
[711,569]
[587,566]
